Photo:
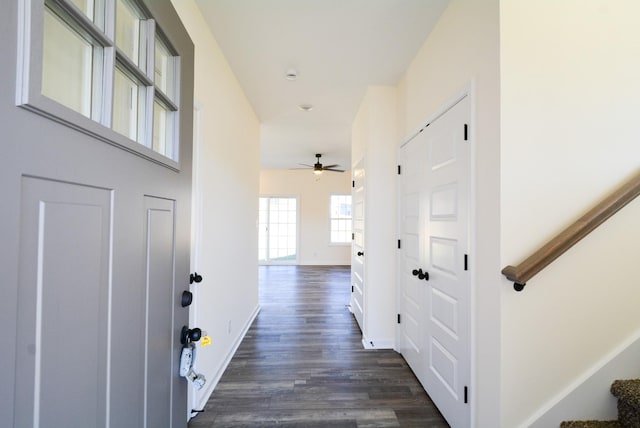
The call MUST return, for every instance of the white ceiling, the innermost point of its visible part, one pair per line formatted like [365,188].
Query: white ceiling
[338,47]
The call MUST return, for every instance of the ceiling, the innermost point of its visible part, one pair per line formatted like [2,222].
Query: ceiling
[337,48]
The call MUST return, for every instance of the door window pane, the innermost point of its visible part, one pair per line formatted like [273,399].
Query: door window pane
[162,130]
[88,8]
[67,65]
[128,31]
[164,69]
[128,105]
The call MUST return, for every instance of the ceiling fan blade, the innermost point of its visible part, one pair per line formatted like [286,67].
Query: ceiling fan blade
[333,169]
[301,168]
[306,164]
[331,166]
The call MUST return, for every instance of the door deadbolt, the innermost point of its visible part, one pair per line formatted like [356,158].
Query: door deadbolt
[187,298]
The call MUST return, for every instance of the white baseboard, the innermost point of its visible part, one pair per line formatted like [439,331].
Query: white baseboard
[212,383]
[369,343]
[325,262]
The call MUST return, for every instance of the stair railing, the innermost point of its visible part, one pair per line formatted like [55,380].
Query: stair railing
[566,239]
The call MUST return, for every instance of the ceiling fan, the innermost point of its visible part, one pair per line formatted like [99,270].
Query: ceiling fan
[318,168]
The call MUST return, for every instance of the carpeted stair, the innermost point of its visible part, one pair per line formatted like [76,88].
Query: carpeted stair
[628,394]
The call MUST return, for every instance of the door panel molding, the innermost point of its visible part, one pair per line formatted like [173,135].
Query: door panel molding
[159,291]
[64,304]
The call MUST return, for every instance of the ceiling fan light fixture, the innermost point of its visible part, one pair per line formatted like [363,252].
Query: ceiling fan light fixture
[317,168]
[305,107]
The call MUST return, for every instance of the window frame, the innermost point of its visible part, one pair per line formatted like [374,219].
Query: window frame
[331,218]
[30,68]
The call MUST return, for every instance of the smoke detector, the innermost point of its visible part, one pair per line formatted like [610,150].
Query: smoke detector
[291,74]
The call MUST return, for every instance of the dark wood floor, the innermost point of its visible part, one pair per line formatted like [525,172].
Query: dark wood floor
[302,364]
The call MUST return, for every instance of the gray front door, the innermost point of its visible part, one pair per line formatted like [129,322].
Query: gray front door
[94,239]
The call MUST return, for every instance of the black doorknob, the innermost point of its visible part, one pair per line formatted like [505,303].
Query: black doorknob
[194,277]
[420,274]
[360,253]
[190,335]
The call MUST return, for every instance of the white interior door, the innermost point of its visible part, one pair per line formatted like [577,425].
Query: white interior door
[441,356]
[446,250]
[412,286]
[357,248]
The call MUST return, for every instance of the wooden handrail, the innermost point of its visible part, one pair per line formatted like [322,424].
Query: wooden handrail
[553,249]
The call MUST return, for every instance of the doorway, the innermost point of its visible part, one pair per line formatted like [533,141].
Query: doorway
[278,230]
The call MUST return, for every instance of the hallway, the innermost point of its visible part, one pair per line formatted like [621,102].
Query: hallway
[302,364]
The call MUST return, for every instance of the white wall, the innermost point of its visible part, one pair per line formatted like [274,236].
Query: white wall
[462,50]
[374,138]
[570,98]
[313,193]
[226,181]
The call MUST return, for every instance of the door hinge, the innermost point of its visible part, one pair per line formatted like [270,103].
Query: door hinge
[352,288]
[466,395]
[466,262]
[399,170]
[353,236]
[398,318]
[466,132]
[399,244]
[353,184]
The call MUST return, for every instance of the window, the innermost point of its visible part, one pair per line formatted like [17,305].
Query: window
[121,74]
[340,219]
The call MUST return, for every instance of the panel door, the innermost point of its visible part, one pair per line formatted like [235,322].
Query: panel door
[94,256]
[357,248]
[412,288]
[434,225]
[446,228]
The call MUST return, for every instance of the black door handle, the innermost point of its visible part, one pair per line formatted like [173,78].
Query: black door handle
[190,335]
[360,253]
[420,274]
